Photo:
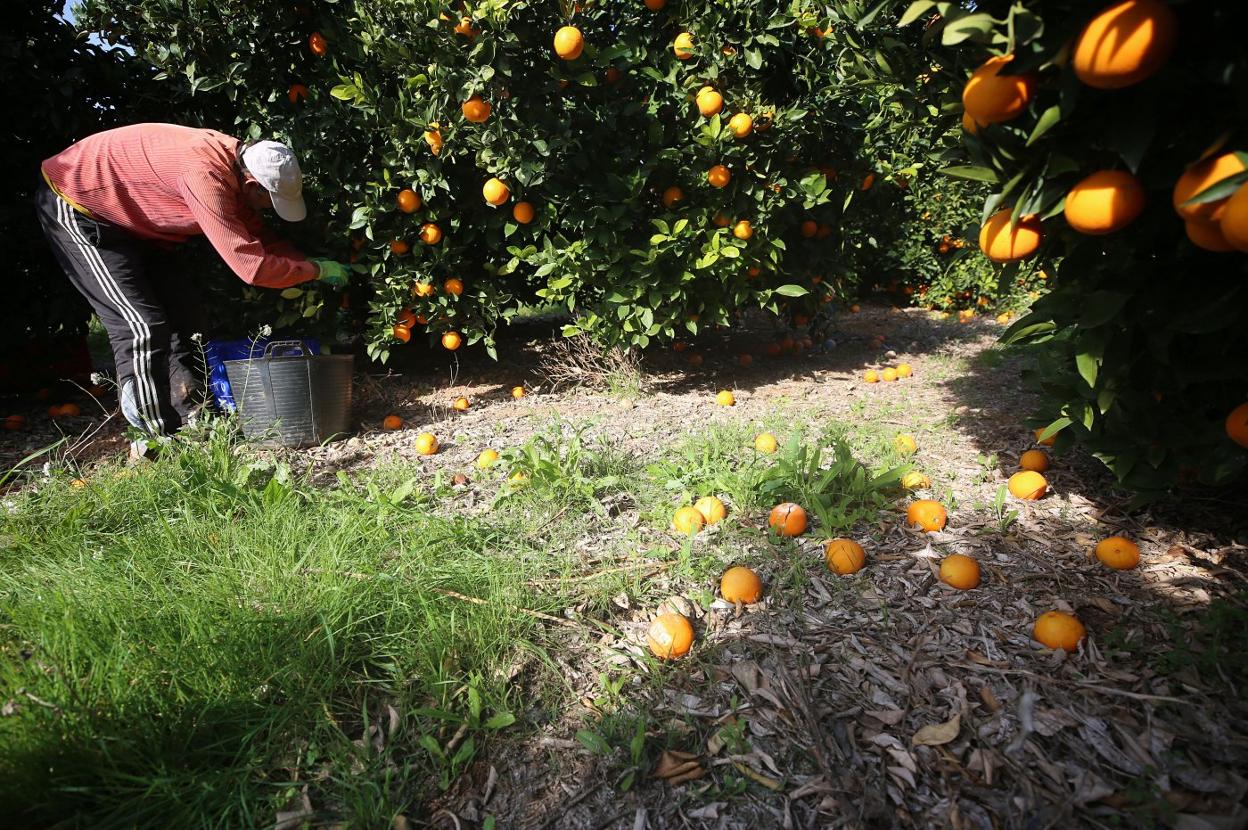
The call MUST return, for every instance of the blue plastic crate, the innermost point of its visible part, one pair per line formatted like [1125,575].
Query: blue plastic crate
[216,352]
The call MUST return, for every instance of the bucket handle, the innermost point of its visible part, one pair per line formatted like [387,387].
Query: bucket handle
[295,345]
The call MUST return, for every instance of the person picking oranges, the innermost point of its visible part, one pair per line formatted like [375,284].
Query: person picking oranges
[110,201]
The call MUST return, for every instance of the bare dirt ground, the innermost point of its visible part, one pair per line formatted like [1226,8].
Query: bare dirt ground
[885,699]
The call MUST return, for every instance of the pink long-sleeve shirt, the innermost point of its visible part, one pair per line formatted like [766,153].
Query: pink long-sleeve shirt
[165,182]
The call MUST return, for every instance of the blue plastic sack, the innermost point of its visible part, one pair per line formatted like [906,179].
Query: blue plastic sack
[216,352]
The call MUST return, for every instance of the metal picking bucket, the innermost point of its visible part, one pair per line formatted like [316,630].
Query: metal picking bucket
[290,397]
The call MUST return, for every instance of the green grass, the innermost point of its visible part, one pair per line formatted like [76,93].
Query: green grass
[190,644]
[193,642]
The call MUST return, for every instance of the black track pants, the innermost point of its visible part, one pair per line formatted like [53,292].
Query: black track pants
[147,319]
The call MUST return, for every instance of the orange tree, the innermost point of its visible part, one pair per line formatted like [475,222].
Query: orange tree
[672,166]
[1112,136]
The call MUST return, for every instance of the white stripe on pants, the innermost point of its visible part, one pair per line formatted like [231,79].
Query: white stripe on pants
[141,349]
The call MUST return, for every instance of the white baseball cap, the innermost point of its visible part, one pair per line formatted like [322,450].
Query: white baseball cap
[277,170]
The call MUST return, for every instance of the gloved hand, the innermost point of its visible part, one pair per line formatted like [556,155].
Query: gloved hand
[332,273]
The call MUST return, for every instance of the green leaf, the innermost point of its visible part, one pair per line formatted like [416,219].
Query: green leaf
[1088,366]
[1218,191]
[963,28]
[971,172]
[916,10]
[1048,119]
[593,742]
[1100,307]
[791,290]
[500,721]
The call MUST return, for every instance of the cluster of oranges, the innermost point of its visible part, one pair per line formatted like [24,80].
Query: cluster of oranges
[670,635]
[1125,44]
[889,374]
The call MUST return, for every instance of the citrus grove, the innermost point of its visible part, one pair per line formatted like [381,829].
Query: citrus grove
[652,169]
[656,169]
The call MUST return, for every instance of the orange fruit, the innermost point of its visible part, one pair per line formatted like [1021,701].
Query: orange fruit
[569,43]
[927,515]
[958,571]
[15,422]
[719,176]
[992,98]
[612,75]
[669,636]
[726,398]
[487,459]
[297,93]
[969,124]
[904,370]
[452,340]
[1124,44]
[392,422]
[464,27]
[1234,223]
[408,201]
[672,195]
[1236,425]
[423,289]
[1118,553]
[1034,460]
[787,519]
[54,411]
[476,110]
[809,228]
[519,477]
[915,481]
[453,286]
[518,392]
[1104,202]
[696,359]
[744,360]
[1027,485]
[522,213]
[741,124]
[495,191]
[743,229]
[434,137]
[868,181]
[401,333]
[871,376]
[688,520]
[1200,177]
[766,443]
[317,44]
[1057,629]
[655,5]
[1002,243]
[844,556]
[888,375]
[711,508]
[754,272]
[399,247]
[709,102]
[1047,442]
[682,46]
[905,444]
[430,234]
[426,443]
[1207,234]
[460,405]
[720,221]
[740,584]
